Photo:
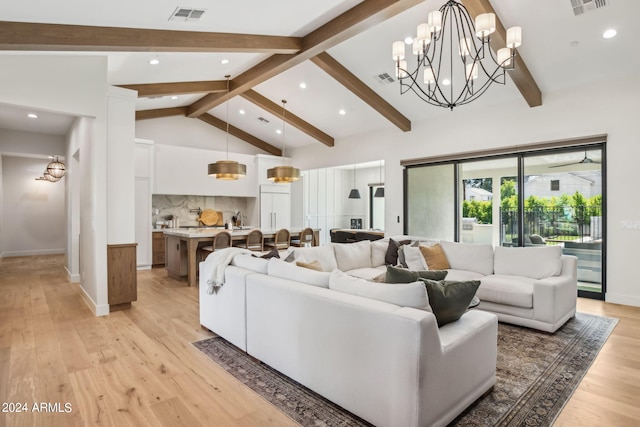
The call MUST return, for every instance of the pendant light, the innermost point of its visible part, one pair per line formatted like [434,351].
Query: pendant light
[56,169]
[354,193]
[380,190]
[227,169]
[283,174]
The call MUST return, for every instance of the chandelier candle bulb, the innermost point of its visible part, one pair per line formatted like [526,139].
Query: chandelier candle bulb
[429,77]
[401,72]
[416,48]
[398,51]
[514,37]
[424,34]
[465,46]
[504,57]
[472,71]
[434,19]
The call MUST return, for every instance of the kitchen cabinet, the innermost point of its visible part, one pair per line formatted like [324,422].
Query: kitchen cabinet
[158,249]
[176,257]
[121,276]
[275,207]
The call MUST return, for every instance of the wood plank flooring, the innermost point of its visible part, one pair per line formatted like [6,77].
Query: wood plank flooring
[137,367]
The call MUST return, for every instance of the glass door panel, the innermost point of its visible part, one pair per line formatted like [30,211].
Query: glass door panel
[488,200]
[563,206]
[430,201]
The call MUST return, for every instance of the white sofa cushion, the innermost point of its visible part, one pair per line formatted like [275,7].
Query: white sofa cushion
[413,258]
[350,256]
[323,254]
[285,270]
[534,262]
[248,262]
[469,256]
[515,291]
[369,273]
[402,294]
[378,252]
[463,275]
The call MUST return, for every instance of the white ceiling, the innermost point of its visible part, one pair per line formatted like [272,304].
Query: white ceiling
[549,28]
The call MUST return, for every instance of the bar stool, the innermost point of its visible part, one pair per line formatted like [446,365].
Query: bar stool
[254,241]
[220,241]
[280,240]
[306,238]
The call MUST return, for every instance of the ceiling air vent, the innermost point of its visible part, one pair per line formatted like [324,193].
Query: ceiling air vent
[384,78]
[186,14]
[583,6]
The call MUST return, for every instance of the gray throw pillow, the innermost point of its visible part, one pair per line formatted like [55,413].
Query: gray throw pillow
[449,300]
[402,275]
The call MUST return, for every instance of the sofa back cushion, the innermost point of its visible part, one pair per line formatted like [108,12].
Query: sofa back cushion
[403,294]
[350,256]
[248,262]
[323,254]
[286,270]
[378,252]
[533,262]
[469,256]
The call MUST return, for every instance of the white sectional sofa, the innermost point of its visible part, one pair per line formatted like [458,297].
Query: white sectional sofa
[391,365]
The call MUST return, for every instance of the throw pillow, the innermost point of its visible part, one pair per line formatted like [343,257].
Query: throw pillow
[353,255]
[449,300]
[391,258]
[413,258]
[402,275]
[435,257]
[401,256]
[313,265]
[273,253]
[404,294]
[288,270]
[291,257]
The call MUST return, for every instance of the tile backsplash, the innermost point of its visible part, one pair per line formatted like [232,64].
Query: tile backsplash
[180,207]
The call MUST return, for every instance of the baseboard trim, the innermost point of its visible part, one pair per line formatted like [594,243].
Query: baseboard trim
[11,254]
[73,278]
[622,299]
[98,310]
[143,267]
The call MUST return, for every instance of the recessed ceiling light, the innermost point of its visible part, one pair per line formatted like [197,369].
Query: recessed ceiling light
[446,82]
[224,61]
[408,40]
[154,61]
[241,112]
[303,85]
[278,131]
[342,112]
[574,43]
[174,97]
[32,115]
[610,33]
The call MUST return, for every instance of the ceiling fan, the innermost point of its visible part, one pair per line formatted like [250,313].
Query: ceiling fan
[585,161]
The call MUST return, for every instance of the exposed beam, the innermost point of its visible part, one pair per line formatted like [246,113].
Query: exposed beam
[55,37]
[160,112]
[177,88]
[292,119]
[336,70]
[238,133]
[357,19]
[521,76]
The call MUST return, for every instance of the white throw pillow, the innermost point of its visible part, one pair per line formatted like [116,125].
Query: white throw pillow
[350,256]
[323,254]
[533,262]
[286,270]
[379,252]
[413,258]
[469,256]
[402,294]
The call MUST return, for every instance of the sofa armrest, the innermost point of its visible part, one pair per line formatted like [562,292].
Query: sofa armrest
[555,296]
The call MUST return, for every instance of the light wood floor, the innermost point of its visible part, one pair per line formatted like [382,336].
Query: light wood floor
[137,367]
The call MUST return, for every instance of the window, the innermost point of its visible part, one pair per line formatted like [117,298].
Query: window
[555,185]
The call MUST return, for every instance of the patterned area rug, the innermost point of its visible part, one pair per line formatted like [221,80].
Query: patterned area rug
[536,374]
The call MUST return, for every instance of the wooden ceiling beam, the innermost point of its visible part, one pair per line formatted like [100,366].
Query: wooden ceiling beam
[357,19]
[161,112]
[520,75]
[336,70]
[238,133]
[57,37]
[177,88]
[295,121]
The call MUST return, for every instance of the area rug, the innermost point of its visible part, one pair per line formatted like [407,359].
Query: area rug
[536,374]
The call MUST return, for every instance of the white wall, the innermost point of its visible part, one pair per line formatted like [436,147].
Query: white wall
[31,143]
[33,212]
[611,108]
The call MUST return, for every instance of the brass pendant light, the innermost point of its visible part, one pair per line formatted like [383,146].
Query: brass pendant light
[56,169]
[227,169]
[283,174]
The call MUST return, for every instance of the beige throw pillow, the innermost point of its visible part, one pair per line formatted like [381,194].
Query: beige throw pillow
[435,257]
[313,265]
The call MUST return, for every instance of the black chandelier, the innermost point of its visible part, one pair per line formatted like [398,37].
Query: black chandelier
[455,64]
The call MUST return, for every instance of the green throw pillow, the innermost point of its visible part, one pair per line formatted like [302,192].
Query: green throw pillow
[402,275]
[449,300]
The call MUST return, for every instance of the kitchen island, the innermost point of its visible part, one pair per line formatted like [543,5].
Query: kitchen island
[182,247]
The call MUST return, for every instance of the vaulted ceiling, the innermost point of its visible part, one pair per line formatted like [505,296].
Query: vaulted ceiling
[334,48]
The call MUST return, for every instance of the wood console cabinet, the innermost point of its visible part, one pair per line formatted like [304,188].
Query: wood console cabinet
[176,257]
[158,252]
[121,276]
